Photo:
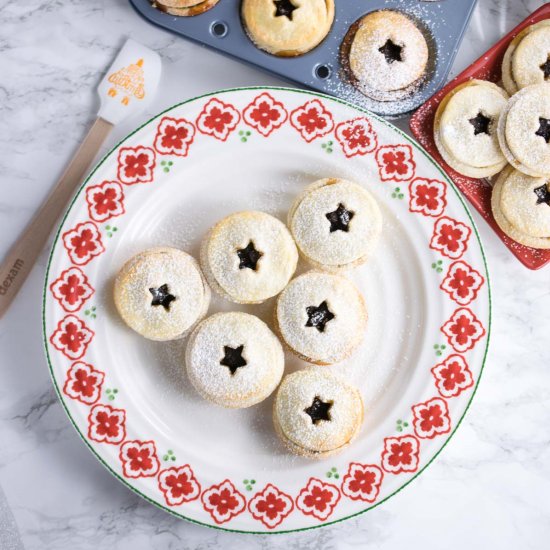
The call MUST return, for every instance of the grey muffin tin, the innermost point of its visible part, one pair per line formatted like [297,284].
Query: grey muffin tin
[442,21]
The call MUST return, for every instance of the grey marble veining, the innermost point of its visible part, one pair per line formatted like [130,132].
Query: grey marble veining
[489,488]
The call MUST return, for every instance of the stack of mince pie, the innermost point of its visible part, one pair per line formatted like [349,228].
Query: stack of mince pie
[234,359]
[483,130]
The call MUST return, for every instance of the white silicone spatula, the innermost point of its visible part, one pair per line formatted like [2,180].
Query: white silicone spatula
[126,89]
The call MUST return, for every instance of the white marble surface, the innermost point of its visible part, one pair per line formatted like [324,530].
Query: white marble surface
[490,487]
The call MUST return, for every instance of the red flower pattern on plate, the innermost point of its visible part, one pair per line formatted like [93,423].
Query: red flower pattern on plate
[463,330]
[427,197]
[71,289]
[83,383]
[462,283]
[71,337]
[218,119]
[431,418]
[312,120]
[265,114]
[362,482]
[401,454]
[105,201]
[270,506]
[452,376]
[223,502]
[107,424]
[318,499]
[179,485]
[450,237]
[83,243]
[356,137]
[395,162]
[136,164]
[139,459]
[174,136]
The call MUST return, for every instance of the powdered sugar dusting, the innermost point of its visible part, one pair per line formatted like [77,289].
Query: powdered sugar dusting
[522,120]
[268,237]
[379,78]
[152,269]
[262,353]
[340,335]
[311,229]
[519,205]
[298,392]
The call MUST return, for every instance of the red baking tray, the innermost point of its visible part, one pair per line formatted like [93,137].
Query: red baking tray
[478,191]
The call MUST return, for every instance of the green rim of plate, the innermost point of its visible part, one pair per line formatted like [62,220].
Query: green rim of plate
[298,91]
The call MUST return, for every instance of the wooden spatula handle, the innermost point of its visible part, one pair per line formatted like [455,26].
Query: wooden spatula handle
[23,254]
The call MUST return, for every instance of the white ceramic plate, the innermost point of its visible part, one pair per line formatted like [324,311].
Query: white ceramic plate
[426,288]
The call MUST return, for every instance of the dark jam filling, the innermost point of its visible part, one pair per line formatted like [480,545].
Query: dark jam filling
[480,123]
[284,8]
[319,316]
[544,129]
[545,68]
[339,219]
[233,358]
[319,410]
[248,257]
[392,51]
[543,194]
[162,297]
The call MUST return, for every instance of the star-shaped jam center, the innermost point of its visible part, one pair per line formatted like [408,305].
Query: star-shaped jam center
[340,218]
[284,8]
[543,194]
[233,358]
[162,297]
[544,129]
[392,51]
[318,410]
[319,316]
[249,257]
[545,68]
[480,123]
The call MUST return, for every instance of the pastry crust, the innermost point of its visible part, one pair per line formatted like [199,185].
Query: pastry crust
[532,52]
[296,428]
[248,384]
[220,259]
[341,335]
[472,155]
[287,36]
[311,229]
[508,78]
[185,8]
[517,130]
[178,4]
[152,269]
[515,208]
[370,69]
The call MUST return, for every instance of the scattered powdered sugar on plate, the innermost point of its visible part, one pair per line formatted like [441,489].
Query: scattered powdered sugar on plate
[154,373]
